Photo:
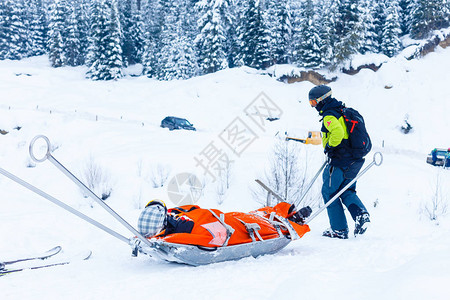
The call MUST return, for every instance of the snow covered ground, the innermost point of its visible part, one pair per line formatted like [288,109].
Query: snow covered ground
[403,255]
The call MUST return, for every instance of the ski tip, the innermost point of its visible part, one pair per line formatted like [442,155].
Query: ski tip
[87,255]
[57,248]
[82,255]
[53,251]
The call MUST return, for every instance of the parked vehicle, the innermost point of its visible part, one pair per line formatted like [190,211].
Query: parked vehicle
[176,123]
[439,154]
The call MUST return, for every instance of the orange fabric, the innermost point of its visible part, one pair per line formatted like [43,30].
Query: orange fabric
[281,209]
[204,220]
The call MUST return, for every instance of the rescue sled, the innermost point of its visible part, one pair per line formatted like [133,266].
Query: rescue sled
[218,237]
[229,236]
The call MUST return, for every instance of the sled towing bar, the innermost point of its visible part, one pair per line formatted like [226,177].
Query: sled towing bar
[297,203]
[377,161]
[374,162]
[61,204]
[279,198]
[49,157]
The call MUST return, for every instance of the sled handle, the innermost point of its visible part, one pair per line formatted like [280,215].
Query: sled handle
[377,161]
[47,154]
[297,203]
[62,204]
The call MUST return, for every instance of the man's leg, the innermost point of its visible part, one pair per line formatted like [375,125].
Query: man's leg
[352,201]
[332,181]
[349,198]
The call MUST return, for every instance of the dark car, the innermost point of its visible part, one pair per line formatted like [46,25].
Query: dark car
[440,157]
[176,123]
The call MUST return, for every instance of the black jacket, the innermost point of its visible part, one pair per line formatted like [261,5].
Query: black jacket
[341,155]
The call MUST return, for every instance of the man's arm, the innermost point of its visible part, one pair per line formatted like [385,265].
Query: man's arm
[335,132]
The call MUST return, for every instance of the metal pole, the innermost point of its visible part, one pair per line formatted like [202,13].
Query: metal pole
[83,187]
[310,184]
[63,205]
[279,198]
[269,190]
[374,162]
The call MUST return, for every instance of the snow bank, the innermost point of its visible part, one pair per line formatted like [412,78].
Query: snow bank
[403,255]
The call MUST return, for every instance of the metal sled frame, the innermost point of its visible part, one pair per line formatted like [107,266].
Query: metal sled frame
[196,255]
[180,253]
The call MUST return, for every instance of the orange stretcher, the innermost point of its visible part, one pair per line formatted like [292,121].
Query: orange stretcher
[218,236]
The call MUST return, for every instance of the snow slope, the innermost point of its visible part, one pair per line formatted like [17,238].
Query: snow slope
[403,255]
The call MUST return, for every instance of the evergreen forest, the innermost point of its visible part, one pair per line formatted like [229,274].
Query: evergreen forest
[179,39]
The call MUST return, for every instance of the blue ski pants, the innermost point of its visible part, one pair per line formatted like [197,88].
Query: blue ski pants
[334,179]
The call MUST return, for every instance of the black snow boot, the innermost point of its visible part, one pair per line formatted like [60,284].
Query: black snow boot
[340,234]
[361,223]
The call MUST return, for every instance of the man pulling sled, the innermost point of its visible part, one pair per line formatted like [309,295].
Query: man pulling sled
[196,236]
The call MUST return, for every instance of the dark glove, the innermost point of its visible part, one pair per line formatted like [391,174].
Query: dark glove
[330,151]
[300,216]
[305,212]
[327,149]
